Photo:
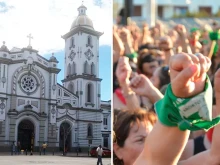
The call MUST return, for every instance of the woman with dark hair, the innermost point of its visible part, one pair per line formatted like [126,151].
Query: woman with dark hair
[161,78]
[130,131]
[147,64]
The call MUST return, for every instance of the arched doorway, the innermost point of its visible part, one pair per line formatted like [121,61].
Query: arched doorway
[65,136]
[26,135]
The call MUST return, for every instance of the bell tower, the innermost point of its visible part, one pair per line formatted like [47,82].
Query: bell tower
[81,75]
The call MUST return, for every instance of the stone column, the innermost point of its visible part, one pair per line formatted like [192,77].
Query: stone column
[13,102]
[2,133]
[41,133]
[42,105]
[12,130]
[52,137]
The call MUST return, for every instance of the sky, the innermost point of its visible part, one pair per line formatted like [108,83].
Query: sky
[47,21]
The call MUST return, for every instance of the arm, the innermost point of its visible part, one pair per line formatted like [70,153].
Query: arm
[141,85]
[185,83]
[123,73]
[166,45]
[210,157]
[118,45]
[183,38]
[126,38]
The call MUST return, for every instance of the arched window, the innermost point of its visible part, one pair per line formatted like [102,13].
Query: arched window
[71,88]
[89,98]
[89,42]
[72,42]
[89,130]
[68,70]
[73,69]
[93,68]
[86,68]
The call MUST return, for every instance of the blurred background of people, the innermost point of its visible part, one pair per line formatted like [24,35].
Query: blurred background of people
[145,39]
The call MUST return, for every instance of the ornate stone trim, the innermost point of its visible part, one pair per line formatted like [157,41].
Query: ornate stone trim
[91,104]
[89,55]
[72,55]
[34,70]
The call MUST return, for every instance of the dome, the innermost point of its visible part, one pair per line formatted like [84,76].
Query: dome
[4,48]
[82,19]
[53,59]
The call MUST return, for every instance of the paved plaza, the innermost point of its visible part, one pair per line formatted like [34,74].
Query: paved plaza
[49,160]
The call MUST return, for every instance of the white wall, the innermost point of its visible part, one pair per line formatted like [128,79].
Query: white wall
[193,6]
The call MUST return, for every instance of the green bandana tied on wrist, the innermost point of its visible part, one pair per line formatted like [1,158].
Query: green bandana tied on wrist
[187,113]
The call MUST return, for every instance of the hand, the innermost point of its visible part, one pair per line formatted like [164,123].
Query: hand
[181,29]
[123,71]
[141,85]
[118,45]
[165,43]
[125,35]
[188,74]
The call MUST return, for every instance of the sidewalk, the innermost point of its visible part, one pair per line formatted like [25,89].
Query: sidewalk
[69,154]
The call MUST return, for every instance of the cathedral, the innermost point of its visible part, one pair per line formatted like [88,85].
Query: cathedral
[34,108]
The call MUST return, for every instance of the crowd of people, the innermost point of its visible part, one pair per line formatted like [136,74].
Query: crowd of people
[154,66]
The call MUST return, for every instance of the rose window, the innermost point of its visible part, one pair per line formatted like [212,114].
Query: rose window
[28,83]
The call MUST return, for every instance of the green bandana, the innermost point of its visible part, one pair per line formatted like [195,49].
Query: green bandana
[188,114]
[214,35]
[132,55]
[194,30]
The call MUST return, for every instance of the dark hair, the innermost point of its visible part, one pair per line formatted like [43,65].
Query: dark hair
[164,76]
[123,121]
[115,81]
[145,58]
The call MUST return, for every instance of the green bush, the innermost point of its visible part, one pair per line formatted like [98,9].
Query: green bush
[200,14]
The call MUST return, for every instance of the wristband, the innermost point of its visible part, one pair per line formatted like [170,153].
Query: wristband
[132,55]
[214,35]
[187,113]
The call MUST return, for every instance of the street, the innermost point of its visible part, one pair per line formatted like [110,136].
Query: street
[47,160]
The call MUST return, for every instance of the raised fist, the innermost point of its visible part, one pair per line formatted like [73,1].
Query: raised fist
[165,43]
[181,29]
[125,35]
[188,74]
[141,85]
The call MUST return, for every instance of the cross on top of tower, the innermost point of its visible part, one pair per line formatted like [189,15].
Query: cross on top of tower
[30,37]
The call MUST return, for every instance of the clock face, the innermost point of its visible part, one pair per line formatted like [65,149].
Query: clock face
[89,54]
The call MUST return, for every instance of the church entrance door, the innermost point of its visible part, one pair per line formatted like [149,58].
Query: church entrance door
[65,137]
[26,135]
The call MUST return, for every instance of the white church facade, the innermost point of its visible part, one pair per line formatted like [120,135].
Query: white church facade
[34,108]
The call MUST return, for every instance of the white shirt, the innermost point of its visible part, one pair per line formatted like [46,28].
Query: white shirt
[99,150]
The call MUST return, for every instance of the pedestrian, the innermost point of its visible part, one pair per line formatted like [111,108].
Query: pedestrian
[44,146]
[15,148]
[19,147]
[12,148]
[99,151]
[89,150]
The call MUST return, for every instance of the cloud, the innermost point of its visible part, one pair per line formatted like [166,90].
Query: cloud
[4,8]
[47,20]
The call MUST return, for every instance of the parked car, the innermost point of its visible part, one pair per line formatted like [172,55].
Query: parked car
[106,152]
